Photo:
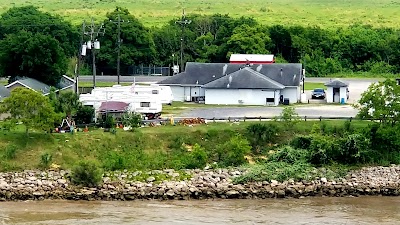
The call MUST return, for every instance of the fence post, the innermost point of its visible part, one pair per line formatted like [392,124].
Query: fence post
[260,118]
[305,118]
[244,119]
[229,119]
[320,118]
[214,119]
[351,118]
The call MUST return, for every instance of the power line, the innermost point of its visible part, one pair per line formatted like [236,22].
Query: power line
[183,22]
[119,41]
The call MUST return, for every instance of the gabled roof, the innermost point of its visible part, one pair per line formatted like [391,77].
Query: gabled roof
[4,92]
[287,74]
[65,82]
[336,83]
[245,78]
[32,84]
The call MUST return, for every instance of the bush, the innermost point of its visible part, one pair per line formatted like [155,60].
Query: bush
[322,149]
[280,171]
[261,134]
[87,174]
[84,115]
[115,161]
[233,152]
[301,142]
[109,122]
[132,120]
[45,160]
[197,159]
[288,154]
[353,149]
[289,117]
[10,151]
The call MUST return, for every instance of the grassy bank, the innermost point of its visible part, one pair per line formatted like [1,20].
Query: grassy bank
[148,148]
[285,12]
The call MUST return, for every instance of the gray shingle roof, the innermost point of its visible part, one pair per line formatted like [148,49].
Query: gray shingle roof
[4,92]
[65,82]
[287,74]
[245,78]
[35,85]
[336,83]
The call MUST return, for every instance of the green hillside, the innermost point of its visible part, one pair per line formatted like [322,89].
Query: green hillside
[324,13]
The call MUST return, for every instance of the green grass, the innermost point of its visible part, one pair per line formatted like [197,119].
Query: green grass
[66,149]
[381,13]
[313,85]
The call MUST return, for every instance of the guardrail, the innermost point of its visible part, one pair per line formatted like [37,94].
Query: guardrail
[260,118]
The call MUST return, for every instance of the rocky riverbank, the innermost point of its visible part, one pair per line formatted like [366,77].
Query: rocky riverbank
[193,184]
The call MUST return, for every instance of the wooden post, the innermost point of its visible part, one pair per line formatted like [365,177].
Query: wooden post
[229,119]
[351,119]
[244,119]
[320,118]
[214,119]
[305,118]
[260,118]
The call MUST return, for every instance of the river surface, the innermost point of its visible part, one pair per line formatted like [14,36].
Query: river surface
[315,210]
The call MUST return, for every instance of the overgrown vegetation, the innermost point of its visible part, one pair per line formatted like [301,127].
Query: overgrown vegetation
[86,173]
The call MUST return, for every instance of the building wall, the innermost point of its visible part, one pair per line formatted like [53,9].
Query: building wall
[329,95]
[343,94]
[178,93]
[15,86]
[293,93]
[240,96]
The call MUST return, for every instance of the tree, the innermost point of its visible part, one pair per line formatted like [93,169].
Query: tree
[29,107]
[66,102]
[137,44]
[381,100]
[34,55]
[249,40]
[29,18]
[84,114]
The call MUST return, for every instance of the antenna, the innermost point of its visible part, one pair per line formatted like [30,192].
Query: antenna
[183,22]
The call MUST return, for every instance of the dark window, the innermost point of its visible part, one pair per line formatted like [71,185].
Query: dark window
[154,92]
[270,100]
[145,104]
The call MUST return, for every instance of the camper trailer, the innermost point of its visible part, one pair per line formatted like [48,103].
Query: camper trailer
[148,106]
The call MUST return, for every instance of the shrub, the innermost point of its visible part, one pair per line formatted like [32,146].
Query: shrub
[10,151]
[289,117]
[288,154]
[280,171]
[84,115]
[115,161]
[353,149]
[322,149]
[86,173]
[45,160]
[132,120]
[197,158]
[301,142]
[348,127]
[109,122]
[261,134]
[233,152]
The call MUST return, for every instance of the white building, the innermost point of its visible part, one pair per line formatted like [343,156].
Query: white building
[337,91]
[221,83]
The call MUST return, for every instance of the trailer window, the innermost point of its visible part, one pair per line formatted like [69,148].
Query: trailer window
[145,104]
[270,100]
[154,92]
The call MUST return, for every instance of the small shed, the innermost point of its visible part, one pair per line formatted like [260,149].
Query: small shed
[337,91]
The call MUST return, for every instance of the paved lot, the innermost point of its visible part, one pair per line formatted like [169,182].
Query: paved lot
[306,110]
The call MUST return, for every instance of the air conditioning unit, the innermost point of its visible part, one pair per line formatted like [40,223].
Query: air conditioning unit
[187,98]
[240,101]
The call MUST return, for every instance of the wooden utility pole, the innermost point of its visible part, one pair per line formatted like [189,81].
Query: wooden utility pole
[119,41]
[183,22]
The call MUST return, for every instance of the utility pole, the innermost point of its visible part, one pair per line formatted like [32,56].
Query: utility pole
[119,41]
[93,43]
[183,22]
[78,67]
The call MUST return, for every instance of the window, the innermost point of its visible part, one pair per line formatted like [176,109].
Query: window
[154,92]
[270,100]
[145,104]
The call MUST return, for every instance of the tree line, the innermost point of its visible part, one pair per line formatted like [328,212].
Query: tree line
[44,46]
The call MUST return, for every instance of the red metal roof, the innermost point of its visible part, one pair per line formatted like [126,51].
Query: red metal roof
[113,106]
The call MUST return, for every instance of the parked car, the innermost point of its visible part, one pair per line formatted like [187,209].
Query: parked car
[318,93]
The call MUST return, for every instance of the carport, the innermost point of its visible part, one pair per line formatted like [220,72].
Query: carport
[337,91]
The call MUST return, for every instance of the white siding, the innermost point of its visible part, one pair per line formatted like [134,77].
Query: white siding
[293,93]
[235,96]
[178,93]
[329,95]
[343,94]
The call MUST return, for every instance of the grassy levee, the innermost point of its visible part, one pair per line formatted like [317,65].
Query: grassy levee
[383,13]
[148,148]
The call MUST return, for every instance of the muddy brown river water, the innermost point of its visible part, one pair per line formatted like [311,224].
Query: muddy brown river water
[315,210]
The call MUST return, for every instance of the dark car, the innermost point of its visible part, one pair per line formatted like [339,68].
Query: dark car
[318,93]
